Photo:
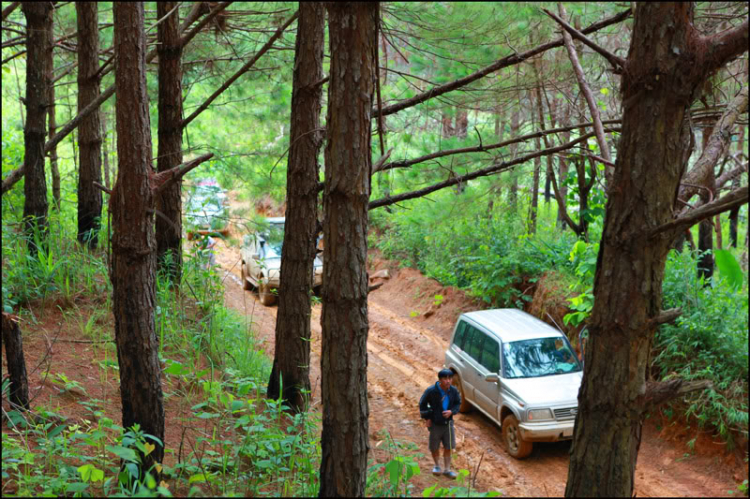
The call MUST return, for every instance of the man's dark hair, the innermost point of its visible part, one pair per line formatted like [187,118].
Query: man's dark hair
[445,373]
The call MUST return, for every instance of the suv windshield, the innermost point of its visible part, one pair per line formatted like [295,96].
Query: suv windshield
[274,239]
[538,357]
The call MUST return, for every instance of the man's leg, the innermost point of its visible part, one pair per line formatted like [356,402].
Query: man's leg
[435,449]
[449,443]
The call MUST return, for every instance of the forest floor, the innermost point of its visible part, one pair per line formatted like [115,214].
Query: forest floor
[408,337]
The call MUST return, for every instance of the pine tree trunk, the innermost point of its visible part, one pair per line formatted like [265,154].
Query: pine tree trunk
[19,382]
[462,123]
[706,246]
[632,253]
[513,192]
[344,441]
[89,130]
[38,44]
[290,376]
[169,203]
[734,216]
[105,150]
[52,126]
[133,243]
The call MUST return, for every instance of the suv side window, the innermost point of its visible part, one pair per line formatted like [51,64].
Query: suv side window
[473,343]
[458,340]
[491,355]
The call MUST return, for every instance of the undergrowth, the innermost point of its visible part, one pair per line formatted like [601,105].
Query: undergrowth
[453,239]
[235,442]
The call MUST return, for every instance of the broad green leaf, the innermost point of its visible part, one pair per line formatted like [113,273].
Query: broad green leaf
[123,453]
[729,267]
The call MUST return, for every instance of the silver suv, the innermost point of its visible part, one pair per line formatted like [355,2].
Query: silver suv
[261,261]
[520,372]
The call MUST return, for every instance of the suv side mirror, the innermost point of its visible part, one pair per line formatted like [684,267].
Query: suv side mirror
[492,378]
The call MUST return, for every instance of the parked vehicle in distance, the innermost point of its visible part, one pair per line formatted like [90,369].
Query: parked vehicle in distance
[205,209]
[261,260]
[520,372]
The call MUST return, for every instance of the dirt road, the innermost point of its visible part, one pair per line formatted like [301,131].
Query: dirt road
[409,333]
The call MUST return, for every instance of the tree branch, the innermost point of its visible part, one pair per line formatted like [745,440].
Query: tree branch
[562,205]
[242,70]
[160,181]
[730,175]
[490,170]
[700,174]
[723,47]
[191,34]
[379,165]
[13,177]
[586,91]
[10,8]
[618,63]
[102,188]
[480,148]
[665,317]
[736,198]
[659,392]
[500,64]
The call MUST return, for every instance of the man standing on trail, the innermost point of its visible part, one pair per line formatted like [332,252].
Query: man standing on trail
[438,405]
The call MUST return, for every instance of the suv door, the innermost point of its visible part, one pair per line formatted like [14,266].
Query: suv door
[474,338]
[487,393]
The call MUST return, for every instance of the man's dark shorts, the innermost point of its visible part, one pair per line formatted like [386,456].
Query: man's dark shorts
[445,433]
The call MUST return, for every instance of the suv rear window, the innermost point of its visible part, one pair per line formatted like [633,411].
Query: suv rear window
[458,340]
[473,343]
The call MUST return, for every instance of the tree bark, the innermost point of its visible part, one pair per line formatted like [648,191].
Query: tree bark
[105,150]
[635,240]
[462,122]
[52,126]
[290,375]
[19,382]
[38,28]
[169,203]
[514,125]
[133,244]
[734,216]
[89,131]
[344,441]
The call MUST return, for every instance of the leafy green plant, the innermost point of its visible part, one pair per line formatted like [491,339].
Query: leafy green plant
[67,385]
[391,479]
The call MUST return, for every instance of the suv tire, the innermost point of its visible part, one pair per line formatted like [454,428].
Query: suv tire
[514,444]
[245,283]
[465,404]
[266,297]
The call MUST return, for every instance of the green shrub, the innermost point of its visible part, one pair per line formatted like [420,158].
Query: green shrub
[708,341]
[473,251]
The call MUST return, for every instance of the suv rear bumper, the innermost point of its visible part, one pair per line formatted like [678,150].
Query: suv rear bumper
[547,432]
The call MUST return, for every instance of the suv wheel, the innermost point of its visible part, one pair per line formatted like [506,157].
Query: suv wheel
[245,283]
[465,404]
[266,297]
[514,444]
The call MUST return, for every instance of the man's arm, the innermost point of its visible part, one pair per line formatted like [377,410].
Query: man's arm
[456,407]
[424,406]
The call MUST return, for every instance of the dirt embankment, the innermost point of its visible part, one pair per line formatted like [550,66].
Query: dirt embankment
[411,319]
